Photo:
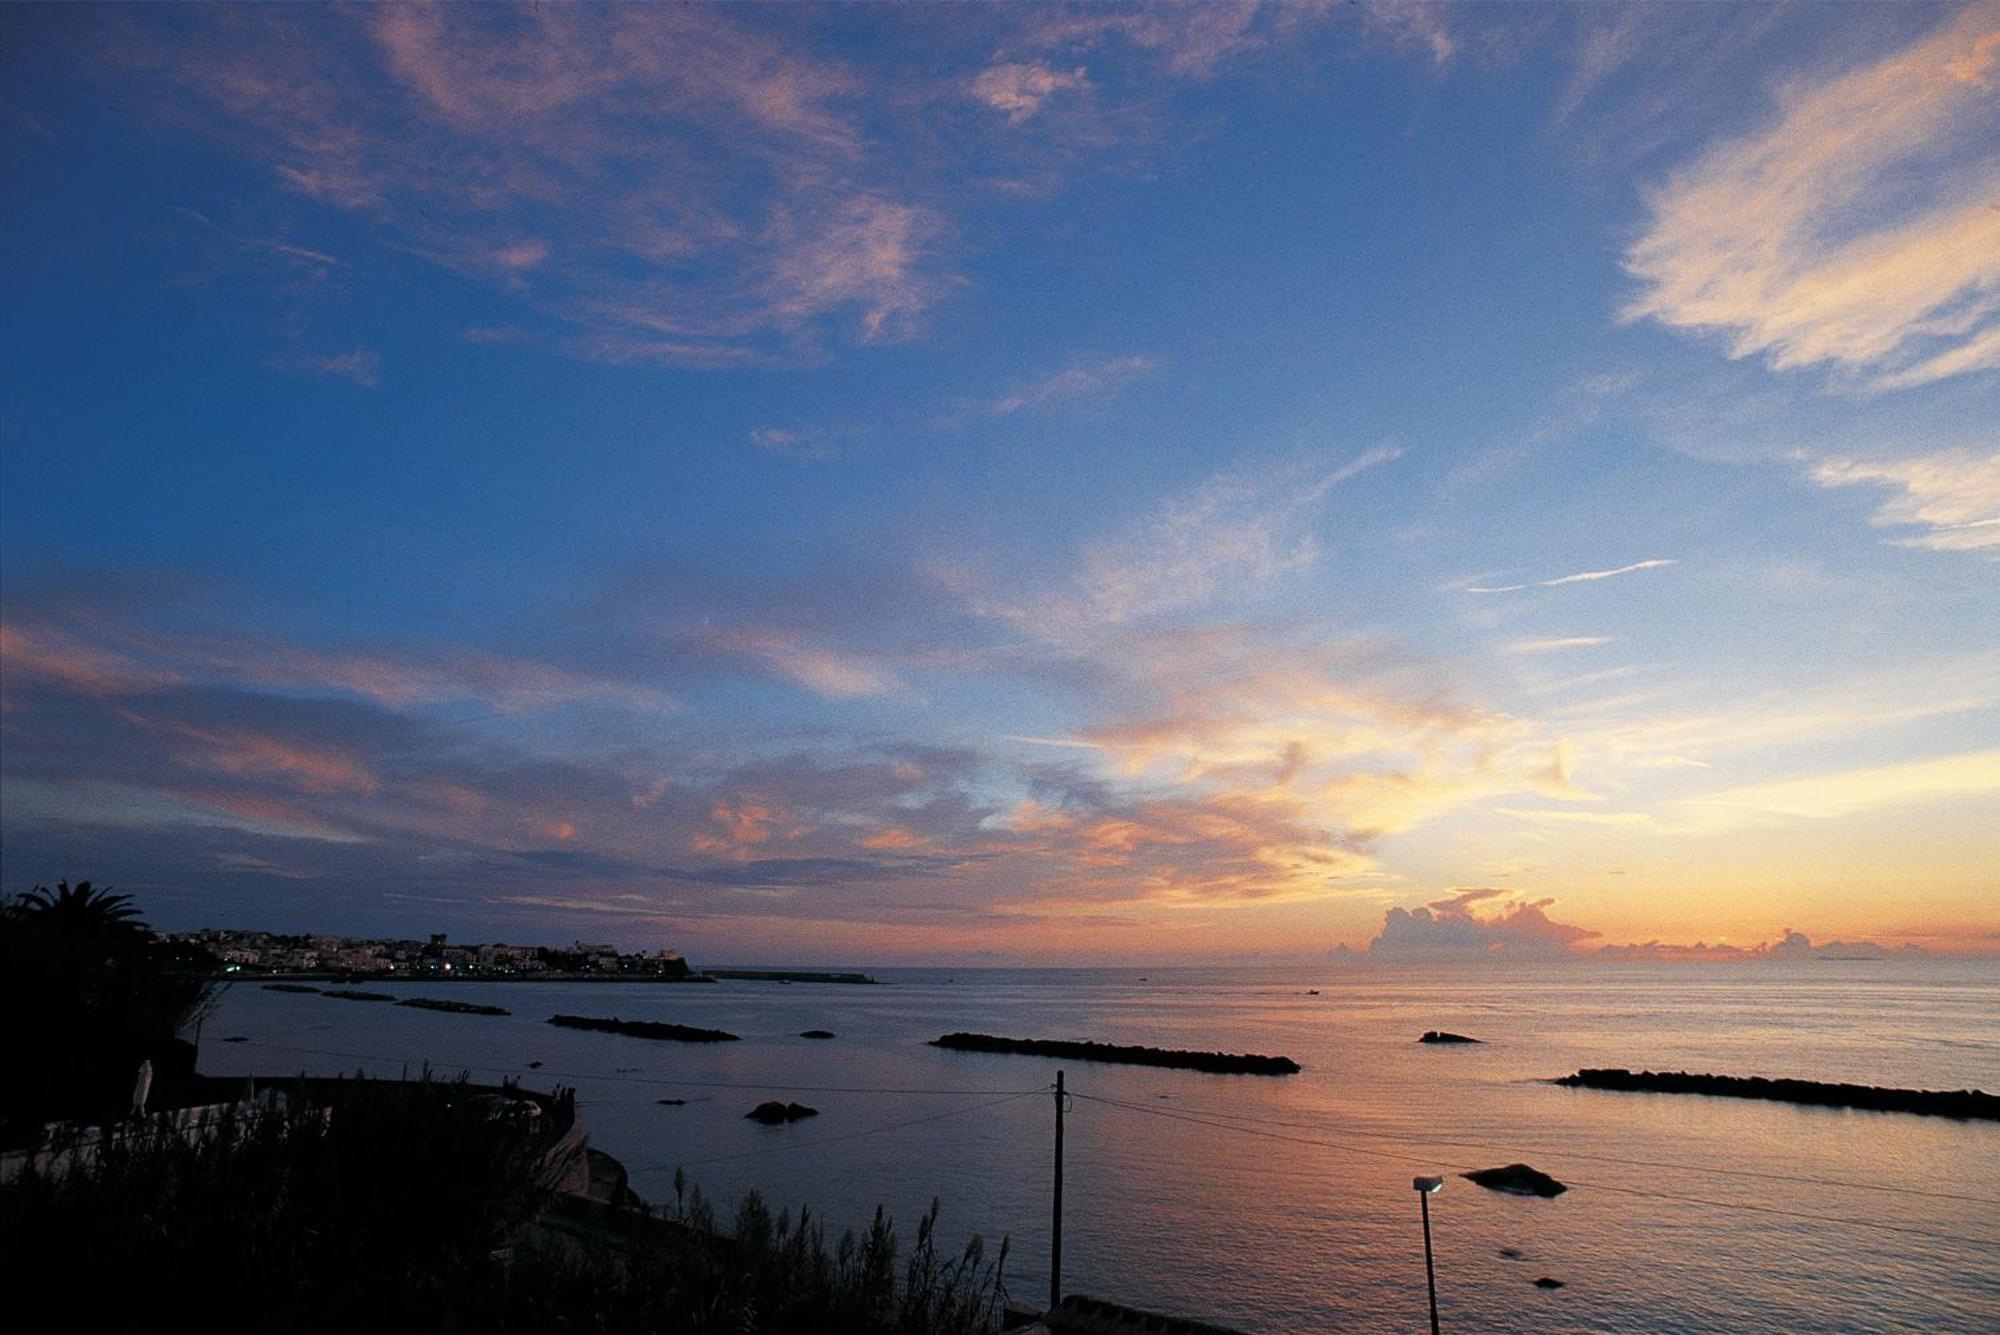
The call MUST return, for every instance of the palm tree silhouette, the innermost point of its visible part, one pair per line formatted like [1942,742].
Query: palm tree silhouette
[89,913]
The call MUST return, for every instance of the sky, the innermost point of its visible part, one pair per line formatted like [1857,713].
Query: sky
[1019,483]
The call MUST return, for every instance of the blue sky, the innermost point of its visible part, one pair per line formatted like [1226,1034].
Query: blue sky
[1022,482]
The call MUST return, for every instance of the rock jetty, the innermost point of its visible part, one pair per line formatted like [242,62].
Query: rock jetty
[1967,1104]
[774,1113]
[1516,1179]
[349,994]
[288,987]
[455,1007]
[792,976]
[1444,1036]
[678,1033]
[1216,1063]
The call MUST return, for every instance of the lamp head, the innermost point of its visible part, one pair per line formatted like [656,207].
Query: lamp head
[1428,1185]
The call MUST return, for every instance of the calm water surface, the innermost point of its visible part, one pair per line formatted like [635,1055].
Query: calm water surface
[1685,1213]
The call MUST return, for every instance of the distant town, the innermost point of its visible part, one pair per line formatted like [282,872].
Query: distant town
[259,953]
[246,954]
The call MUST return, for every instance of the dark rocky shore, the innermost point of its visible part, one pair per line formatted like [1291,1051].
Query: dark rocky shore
[1969,1104]
[1216,1063]
[678,1033]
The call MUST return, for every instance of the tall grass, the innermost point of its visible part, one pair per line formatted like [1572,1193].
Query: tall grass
[412,1206]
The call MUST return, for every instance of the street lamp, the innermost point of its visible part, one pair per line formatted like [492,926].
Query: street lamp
[1426,1188]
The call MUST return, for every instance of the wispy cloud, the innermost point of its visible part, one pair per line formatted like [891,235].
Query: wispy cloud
[1557,644]
[1859,229]
[1581,577]
[1827,796]
[1952,497]
[1017,89]
[1079,380]
[803,444]
[363,366]
[529,149]
[1590,576]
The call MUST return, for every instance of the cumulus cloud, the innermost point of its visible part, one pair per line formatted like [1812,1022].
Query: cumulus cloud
[1950,497]
[1476,924]
[1791,946]
[1858,229]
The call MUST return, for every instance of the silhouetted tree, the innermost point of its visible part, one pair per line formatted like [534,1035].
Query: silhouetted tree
[86,994]
[84,912]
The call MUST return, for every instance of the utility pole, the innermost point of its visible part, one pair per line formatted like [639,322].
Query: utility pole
[1055,1226]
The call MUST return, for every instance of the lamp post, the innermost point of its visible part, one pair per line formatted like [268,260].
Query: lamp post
[1426,1188]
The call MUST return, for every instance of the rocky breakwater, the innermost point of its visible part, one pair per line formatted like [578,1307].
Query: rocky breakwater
[674,1033]
[1968,1104]
[1216,1063]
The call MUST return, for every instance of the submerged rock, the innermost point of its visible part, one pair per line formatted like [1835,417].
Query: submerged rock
[817,1033]
[237,1038]
[1516,1179]
[1546,1283]
[774,1113]
[1442,1036]
[672,1103]
[1511,1253]
[534,1066]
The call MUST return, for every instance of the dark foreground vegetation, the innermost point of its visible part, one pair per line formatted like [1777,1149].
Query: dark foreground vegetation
[678,1033]
[1217,1063]
[1969,1104]
[86,995]
[413,1206]
[335,1206]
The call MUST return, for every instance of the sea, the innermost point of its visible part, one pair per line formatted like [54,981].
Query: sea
[1285,1203]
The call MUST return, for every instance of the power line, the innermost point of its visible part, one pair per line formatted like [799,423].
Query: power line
[1594,1158]
[1595,1186]
[834,1140]
[1223,1119]
[661,1083]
